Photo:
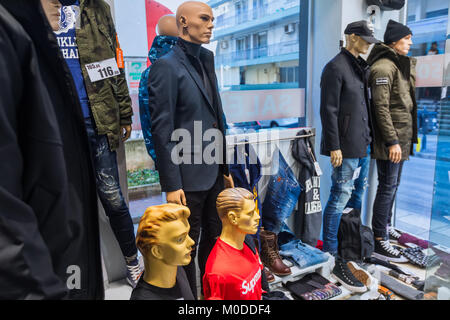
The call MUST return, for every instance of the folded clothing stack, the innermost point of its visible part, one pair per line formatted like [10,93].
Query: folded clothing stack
[313,287]
[302,254]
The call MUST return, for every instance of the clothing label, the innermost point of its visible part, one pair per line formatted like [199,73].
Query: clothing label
[347,210]
[356,173]
[318,169]
[102,70]
[382,81]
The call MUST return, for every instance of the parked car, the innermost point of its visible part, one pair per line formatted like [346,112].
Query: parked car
[243,127]
[286,123]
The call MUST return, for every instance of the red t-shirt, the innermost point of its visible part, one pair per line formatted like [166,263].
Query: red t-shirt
[232,274]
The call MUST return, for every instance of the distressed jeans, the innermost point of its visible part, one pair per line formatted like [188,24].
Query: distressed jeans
[389,175]
[282,195]
[108,189]
[347,190]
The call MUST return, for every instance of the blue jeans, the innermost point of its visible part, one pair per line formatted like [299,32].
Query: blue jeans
[302,254]
[346,192]
[108,189]
[282,195]
[389,175]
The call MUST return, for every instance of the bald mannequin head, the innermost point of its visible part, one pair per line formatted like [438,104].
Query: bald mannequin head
[167,26]
[195,22]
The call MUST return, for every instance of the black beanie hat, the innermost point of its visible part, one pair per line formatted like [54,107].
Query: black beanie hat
[395,31]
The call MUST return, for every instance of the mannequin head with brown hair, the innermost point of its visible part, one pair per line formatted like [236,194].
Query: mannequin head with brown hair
[237,210]
[163,239]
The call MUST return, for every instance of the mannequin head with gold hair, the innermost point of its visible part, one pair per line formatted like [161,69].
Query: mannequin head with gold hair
[163,239]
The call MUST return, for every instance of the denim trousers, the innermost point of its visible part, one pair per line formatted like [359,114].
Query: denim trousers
[347,190]
[109,192]
[282,195]
[389,175]
[302,254]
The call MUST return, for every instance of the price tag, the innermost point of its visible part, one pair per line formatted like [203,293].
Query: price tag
[356,173]
[102,70]
[318,170]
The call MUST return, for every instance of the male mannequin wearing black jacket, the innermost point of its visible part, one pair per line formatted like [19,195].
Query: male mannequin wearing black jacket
[184,98]
[346,135]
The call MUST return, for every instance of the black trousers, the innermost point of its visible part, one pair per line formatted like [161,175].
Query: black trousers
[389,175]
[205,228]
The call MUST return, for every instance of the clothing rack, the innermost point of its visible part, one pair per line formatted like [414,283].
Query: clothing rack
[274,140]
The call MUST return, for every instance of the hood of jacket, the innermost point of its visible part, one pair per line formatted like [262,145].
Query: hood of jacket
[382,51]
[160,46]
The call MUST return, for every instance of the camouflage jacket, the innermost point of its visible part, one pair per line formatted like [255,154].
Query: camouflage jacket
[394,106]
[109,99]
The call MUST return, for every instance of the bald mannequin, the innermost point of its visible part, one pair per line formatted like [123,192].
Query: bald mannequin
[167,26]
[195,22]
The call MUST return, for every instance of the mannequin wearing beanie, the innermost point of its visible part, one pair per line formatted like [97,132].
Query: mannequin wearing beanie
[392,82]
[398,37]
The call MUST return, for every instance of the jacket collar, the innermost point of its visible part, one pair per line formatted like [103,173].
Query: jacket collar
[359,64]
[382,51]
[190,48]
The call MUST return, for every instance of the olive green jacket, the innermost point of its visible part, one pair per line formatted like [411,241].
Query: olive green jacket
[109,99]
[392,81]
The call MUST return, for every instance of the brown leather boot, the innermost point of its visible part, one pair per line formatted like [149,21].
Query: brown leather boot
[270,256]
[269,275]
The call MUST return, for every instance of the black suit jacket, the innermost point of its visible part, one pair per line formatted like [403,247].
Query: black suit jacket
[177,99]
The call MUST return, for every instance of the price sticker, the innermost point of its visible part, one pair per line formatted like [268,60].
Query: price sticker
[318,169]
[102,70]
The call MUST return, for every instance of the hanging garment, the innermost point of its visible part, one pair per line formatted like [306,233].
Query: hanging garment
[282,194]
[246,172]
[308,217]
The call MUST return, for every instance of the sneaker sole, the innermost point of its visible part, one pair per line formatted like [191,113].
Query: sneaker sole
[349,287]
[389,259]
[360,274]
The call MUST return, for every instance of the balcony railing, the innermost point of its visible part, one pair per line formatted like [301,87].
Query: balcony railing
[234,17]
[276,49]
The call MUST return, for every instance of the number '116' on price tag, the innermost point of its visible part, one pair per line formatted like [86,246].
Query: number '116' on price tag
[102,70]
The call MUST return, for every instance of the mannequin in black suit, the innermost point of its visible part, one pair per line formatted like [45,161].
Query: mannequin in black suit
[184,101]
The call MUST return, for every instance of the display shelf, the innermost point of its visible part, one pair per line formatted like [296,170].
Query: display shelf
[324,269]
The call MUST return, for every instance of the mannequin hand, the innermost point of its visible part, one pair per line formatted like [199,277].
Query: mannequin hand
[395,153]
[127,133]
[336,158]
[176,197]
[228,181]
